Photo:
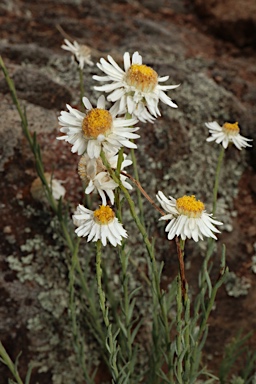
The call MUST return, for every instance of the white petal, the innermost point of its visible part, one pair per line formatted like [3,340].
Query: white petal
[87,103]
[127,61]
[101,102]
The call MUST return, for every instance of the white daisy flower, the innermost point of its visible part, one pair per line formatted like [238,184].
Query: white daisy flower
[82,53]
[188,218]
[135,90]
[38,192]
[97,178]
[228,133]
[99,225]
[96,129]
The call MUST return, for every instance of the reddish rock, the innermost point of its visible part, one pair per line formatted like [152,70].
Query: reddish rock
[230,20]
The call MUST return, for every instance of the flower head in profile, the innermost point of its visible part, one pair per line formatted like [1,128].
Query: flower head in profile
[228,133]
[95,175]
[137,89]
[188,218]
[96,129]
[38,192]
[82,53]
[99,225]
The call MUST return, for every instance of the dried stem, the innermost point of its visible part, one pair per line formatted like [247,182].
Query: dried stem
[143,192]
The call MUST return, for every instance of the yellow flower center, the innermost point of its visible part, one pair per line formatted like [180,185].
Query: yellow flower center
[97,122]
[104,215]
[142,77]
[189,206]
[231,129]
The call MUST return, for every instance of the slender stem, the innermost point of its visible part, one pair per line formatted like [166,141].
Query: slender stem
[111,346]
[217,285]
[187,340]
[216,182]
[15,98]
[119,161]
[138,185]
[78,341]
[179,330]
[92,307]
[12,367]
[81,82]
[136,175]
[31,140]
[180,250]
[131,205]
[156,290]
[124,257]
[117,190]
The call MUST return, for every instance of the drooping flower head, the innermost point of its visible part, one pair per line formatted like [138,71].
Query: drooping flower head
[96,129]
[228,133]
[188,218]
[95,175]
[99,225]
[135,89]
[82,53]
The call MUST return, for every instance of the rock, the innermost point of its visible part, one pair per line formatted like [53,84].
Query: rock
[35,87]
[29,53]
[230,20]
[39,119]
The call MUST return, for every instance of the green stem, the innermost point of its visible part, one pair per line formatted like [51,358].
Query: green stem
[216,182]
[156,290]
[203,306]
[78,340]
[179,331]
[117,190]
[187,340]
[119,161]
[111,342]
[180,250]
[81,82]
[92,307]
[15,99]
[131,205]
[136,176]
[124,258]
[12,367]
[31,140]
[217,285]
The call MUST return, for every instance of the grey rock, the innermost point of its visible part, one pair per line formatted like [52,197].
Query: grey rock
[37,88]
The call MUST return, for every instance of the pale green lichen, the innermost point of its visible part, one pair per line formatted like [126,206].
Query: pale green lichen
[237,286]
[45,263]
[54,301]
[237,380]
